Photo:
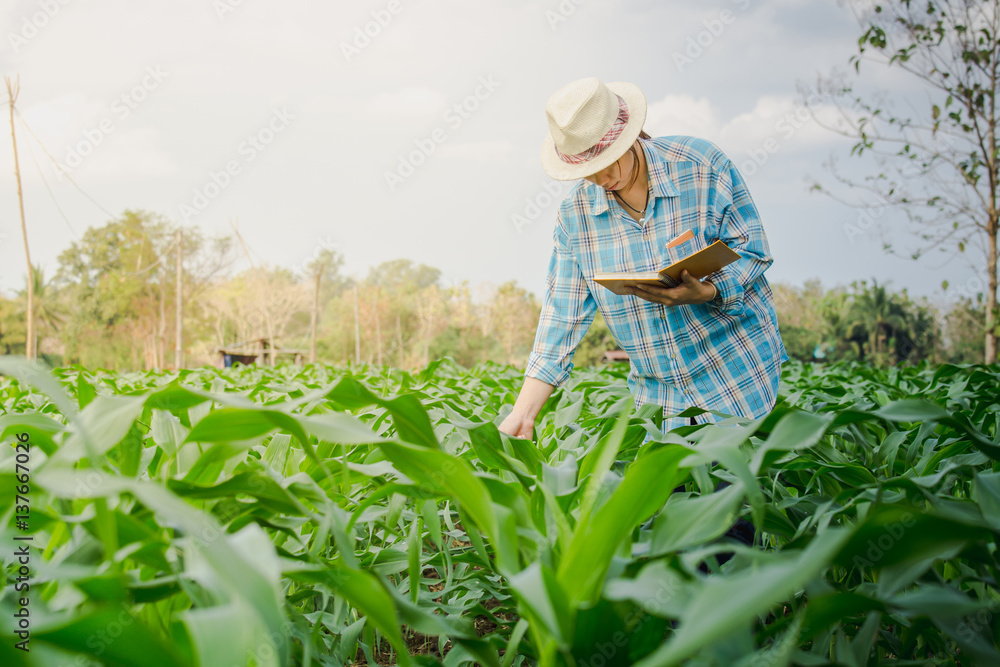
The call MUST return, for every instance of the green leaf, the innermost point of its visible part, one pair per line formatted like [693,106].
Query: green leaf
[693,521]
[797,430]
[112,635]
[409,416]
[231,634]
[646,487]
[724,604]
[543,602]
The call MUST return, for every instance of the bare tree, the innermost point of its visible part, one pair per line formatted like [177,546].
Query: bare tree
[937,160]
[326,261]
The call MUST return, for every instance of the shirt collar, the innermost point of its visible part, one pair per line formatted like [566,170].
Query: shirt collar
[659,181]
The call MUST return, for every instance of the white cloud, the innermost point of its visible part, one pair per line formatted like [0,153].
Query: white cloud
[682,114]
[774,120]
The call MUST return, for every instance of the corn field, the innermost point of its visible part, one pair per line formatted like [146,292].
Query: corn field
[367,516]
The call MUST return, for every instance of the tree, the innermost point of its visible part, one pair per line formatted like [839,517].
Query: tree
[937,160]
[120,277]
[593,345]
[329,262]
[800,318]
[406,300]
[844,335]
[516,317]
[258,303]
[961,326]
[13,327]
[48,312]
[872,324]
[880,315]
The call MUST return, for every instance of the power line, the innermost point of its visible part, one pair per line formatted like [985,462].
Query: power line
[51,194]
[59,166]
[166,251]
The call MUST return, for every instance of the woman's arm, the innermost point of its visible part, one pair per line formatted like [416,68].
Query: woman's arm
[520,422]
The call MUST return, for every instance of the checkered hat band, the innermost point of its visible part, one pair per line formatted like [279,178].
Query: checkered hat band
[616,129]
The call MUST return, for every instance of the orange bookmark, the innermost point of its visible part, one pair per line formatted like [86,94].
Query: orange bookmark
[681,238]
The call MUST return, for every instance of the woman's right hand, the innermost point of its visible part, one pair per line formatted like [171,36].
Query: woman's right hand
[518,426]
[521,420]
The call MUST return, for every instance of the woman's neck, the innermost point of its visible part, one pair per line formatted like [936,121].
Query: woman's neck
[636,196]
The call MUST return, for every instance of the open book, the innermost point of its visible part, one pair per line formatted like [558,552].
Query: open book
[700,264]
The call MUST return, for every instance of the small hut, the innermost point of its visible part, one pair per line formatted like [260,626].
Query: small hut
[248,352]
[614,356]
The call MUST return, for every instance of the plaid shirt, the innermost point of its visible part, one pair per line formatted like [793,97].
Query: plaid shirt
[723,355]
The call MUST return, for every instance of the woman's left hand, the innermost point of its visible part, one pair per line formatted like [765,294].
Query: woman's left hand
[690,291]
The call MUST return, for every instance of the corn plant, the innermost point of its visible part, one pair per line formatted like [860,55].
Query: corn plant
[361,515]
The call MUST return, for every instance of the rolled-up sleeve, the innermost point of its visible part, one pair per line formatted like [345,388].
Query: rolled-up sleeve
[567,311]
[741,230]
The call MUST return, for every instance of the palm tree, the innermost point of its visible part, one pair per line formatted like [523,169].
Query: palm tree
[880,315]
[844,324]
[47,311]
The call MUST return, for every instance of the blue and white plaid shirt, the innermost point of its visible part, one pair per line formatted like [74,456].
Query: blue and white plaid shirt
[723,355]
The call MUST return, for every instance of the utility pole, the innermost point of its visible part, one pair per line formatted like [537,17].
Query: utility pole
[178,346]
[357,329]
[314,320]
[399,341]
[378,332]
[13,88]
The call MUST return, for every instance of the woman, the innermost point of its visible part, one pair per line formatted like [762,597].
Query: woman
[712,343]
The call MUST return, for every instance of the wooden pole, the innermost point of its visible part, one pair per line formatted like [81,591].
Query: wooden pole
[178,345]
[13,88]
[399,342]
[357,329]
[314,324]
[378,332]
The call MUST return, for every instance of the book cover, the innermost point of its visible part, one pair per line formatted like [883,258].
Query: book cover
[700,264]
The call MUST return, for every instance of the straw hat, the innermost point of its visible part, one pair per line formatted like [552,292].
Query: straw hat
[591,125]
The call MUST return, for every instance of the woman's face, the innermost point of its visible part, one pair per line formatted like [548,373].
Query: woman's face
[616,175]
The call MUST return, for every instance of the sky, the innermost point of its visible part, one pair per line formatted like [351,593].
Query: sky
[388,129]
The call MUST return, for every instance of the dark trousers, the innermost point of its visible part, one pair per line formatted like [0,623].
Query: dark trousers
[742,530]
